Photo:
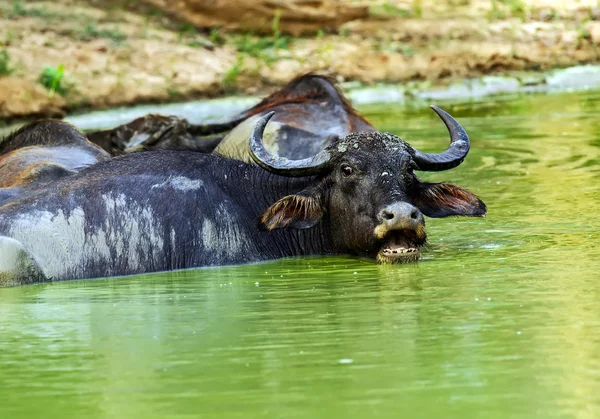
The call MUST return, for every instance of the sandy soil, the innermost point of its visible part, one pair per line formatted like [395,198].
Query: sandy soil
[113,56]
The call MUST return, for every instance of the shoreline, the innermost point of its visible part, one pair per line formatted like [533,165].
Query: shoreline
[67,56]
[578,78]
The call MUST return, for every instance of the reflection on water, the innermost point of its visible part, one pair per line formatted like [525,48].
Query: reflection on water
[500,319]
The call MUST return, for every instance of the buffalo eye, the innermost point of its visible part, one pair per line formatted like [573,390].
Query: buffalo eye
[410,169]
[347,170]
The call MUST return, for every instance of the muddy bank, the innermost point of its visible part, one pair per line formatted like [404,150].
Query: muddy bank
[67,55]
[578,78]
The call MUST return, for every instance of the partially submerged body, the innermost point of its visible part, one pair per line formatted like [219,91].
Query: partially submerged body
[109,220]
[165,210]
[310,112]
[159,132]
[42,152]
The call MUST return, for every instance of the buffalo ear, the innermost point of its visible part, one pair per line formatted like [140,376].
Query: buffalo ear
[296,211]
[438,200]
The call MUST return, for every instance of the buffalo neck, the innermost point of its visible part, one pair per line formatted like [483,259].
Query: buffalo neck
[258,189]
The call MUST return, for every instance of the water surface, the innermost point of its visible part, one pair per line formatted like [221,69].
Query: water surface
[500,319]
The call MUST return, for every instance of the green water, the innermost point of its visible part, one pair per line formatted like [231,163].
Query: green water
[500,319]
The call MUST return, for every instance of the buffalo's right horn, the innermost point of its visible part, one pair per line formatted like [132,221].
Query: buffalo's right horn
[280,165]
[456,152]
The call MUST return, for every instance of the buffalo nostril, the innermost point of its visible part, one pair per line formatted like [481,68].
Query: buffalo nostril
[414,214]
[387,215]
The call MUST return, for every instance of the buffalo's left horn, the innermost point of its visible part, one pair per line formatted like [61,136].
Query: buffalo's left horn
[280,165]
[456,152]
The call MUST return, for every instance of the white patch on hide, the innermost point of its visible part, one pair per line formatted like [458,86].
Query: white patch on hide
[222,239]
[61,246]
[181,183]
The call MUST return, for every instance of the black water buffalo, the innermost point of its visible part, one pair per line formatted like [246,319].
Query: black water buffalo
[165,210]
[309,112]
[41,152]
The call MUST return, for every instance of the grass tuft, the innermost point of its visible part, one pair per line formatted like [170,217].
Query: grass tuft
[91,31]
[52,78]
[5,68]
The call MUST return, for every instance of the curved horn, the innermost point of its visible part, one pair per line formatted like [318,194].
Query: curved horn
[280,165]
[456,152]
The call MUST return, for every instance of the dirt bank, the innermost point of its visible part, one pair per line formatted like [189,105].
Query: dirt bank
[65,55]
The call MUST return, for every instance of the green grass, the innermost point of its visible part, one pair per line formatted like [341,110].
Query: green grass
[19,10]
[188,34]
[232,74]
[261,47]
[265,48]
[517,8]
[502,9]
[416,8]
[388,10]
[582,31]
[173,93]
[496,12]
[5,68]
[52,78]
[10,37]
[186,29]
[215,36]
[91,31]
[395,47]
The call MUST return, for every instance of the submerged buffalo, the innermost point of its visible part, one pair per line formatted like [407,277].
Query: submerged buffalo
[309,112]
[165,210]
[41,152]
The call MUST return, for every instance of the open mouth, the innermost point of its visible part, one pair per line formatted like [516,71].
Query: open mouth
[401,246]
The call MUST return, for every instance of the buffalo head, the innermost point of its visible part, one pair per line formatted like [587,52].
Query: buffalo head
[366,192]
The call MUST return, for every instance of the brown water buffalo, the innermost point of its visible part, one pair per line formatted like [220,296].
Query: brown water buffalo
[41,152]
[309,112]
[163,210]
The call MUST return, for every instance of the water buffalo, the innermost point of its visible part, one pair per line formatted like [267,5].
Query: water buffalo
[155,131]
[164,210]
[309,112]
[41,152]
